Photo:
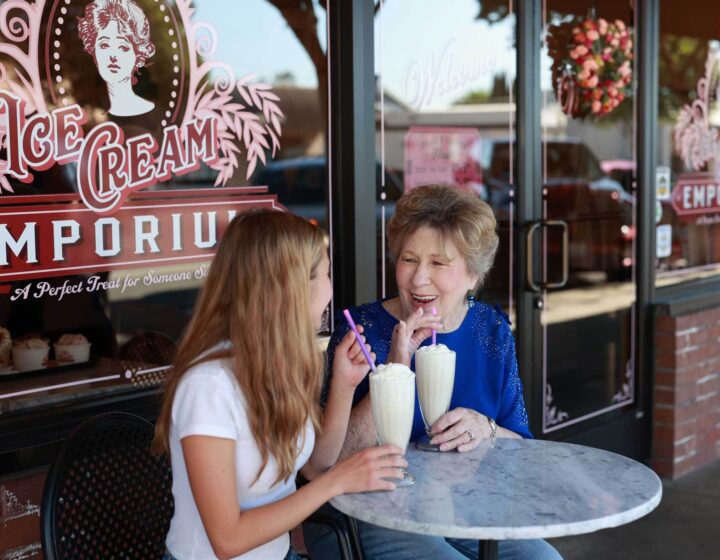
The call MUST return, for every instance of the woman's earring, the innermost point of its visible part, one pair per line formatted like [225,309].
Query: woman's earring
[470,298]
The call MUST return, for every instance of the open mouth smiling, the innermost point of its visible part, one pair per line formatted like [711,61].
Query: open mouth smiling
[419,299]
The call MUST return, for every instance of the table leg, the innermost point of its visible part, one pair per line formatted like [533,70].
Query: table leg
[487,550]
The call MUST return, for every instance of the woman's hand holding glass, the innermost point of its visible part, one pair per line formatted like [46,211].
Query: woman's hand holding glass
[462,429]
[409,334]
[368,470]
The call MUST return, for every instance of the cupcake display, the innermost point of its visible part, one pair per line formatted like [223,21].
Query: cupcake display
[30,353]
[5,348]
[72,348]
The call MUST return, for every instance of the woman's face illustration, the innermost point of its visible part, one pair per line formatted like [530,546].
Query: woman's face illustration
[114,54]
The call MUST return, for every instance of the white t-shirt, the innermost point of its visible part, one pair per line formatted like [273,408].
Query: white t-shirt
[209,402]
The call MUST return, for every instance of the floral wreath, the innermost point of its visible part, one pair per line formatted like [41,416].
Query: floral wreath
[592,66]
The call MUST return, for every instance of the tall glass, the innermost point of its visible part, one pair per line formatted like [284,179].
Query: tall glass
[392,395]
[435,371]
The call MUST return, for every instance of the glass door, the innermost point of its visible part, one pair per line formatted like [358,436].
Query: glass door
[445,114]
[582,245]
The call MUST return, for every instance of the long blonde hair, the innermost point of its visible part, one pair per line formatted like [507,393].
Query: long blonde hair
[257,296]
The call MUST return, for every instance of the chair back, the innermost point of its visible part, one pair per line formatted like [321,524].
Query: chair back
[106,495]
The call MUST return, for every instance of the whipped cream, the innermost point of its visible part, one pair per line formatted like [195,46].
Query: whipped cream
[392,371]
[434,349]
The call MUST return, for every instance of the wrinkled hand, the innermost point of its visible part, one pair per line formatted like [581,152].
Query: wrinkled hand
[349,364]
[409,334]
[366,470]
[461,428]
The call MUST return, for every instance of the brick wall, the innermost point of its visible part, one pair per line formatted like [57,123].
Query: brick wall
[20,518]
[686,414]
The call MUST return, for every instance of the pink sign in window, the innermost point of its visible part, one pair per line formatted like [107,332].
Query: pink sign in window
[443,155]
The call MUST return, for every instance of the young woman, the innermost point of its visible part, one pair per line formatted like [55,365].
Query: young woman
[241,411]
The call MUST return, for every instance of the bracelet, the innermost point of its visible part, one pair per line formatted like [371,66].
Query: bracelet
[493,428]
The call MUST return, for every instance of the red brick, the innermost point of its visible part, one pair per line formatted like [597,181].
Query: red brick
[684,429]
[665,396]
[663,467]
[685,413]
[663,434]
[665,359]
[664,415]
[665,378]
[686,394]
[703,318]
[664,324]
[664,450]
[666,343]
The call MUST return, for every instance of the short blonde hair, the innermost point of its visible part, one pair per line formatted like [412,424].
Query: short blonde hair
[456,215]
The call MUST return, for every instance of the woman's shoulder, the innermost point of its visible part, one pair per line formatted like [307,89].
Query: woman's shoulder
[213,371]
[371,315]
[489,319]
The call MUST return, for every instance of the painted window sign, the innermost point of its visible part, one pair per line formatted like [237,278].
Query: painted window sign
[131,133]
[696,194]
[149,105]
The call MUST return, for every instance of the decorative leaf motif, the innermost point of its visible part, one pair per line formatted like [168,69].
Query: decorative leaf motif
[553,415]
[695,140]
[237,124]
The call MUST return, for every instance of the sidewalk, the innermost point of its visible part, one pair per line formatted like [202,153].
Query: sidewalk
[686,524]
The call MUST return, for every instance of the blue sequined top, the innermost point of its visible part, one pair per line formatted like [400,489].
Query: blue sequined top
[486,372]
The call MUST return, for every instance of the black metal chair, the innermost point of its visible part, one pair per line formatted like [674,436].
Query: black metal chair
[106,495]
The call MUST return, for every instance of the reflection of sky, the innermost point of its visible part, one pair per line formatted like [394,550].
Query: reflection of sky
[436,52]
[254,38]
[426,47]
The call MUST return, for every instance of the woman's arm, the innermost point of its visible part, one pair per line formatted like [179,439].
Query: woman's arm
[361,432]
[349,368]
[210,463]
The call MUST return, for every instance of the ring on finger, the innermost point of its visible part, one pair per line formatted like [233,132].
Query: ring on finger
[470,435]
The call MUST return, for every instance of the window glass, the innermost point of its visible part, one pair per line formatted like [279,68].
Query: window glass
[124,155]
[687,206]
[445,113]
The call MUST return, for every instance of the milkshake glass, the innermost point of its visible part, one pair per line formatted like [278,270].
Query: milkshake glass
[435,371]
[392,397]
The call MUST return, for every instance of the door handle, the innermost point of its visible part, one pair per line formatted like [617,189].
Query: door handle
[538,287]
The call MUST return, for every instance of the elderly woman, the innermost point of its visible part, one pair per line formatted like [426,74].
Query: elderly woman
[116,34]
[444,242]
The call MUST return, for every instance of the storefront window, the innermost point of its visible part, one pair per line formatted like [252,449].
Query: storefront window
[129,140]
[445,113]
[687,188]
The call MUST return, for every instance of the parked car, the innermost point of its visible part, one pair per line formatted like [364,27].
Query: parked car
[301,186]
[597,209]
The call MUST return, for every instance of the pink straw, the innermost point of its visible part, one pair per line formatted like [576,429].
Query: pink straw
[359,339]
[434,333]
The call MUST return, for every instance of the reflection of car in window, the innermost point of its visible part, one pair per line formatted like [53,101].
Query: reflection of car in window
[301,186]
[597,209]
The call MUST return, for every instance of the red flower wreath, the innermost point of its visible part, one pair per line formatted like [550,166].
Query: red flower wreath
[594,71]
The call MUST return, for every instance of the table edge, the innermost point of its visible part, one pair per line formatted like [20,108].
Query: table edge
[512,533]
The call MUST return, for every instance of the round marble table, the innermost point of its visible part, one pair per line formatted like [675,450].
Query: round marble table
[514,489]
